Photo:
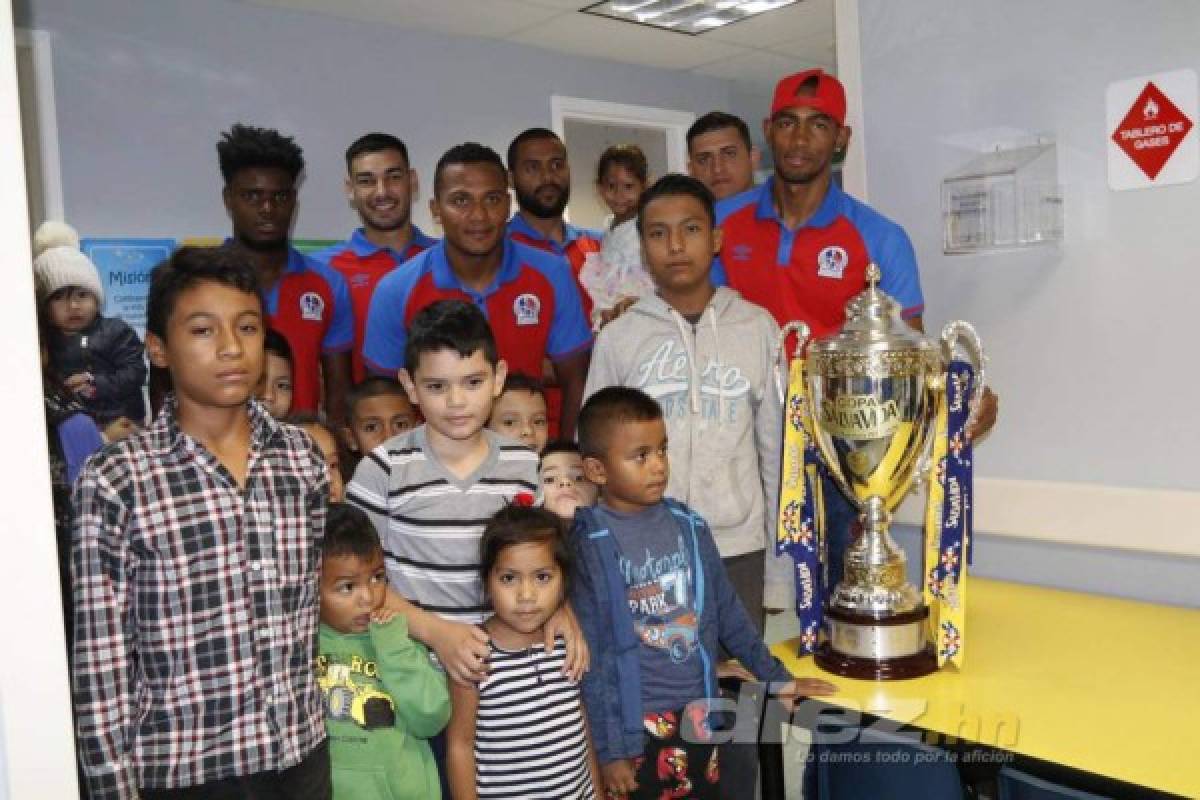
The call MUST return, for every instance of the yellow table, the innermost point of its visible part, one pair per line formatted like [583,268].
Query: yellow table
[1094,683]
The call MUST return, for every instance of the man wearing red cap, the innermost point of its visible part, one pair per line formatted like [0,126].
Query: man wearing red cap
[798,245]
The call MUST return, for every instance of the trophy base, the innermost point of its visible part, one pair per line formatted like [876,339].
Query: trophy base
[890,647]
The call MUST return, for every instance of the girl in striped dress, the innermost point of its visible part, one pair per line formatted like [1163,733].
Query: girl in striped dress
[522,733]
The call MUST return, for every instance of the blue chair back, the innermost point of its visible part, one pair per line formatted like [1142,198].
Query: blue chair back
[885,766]
[1012,784]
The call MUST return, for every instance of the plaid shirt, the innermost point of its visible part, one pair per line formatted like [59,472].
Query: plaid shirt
[196,608]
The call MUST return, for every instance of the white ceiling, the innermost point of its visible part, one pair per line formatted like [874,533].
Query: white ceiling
[756,51]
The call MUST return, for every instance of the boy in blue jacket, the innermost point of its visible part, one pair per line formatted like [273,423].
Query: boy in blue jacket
[654,602]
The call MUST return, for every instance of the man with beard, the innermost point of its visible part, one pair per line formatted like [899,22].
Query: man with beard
[380,186]
[541,178]
[305,300]
[531,302]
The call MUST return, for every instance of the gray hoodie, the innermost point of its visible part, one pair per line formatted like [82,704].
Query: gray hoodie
[716,383]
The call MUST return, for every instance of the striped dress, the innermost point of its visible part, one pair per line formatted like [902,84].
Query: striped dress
[529,730]
[430,521]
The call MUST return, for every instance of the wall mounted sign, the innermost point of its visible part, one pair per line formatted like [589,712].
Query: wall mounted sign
[1152,135]
[124,266]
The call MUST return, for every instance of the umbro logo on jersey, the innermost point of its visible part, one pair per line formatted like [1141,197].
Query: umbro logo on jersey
[742,252]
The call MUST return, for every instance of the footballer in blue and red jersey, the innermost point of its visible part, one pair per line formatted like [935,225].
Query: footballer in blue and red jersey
[533,307]
[310,306]
[576,244]
[363,265]
[810,272]
[541,180]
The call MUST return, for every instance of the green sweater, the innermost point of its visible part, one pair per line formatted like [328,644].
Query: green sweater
[383,700]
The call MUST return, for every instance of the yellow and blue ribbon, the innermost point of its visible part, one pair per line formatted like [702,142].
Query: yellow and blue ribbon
[800,529]
[948,518]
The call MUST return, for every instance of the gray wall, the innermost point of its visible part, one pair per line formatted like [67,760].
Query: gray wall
[1091,342]
[143,88]
[1151,577]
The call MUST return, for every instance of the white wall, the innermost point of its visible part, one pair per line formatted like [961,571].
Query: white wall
[1090,342]
[145,86]
[35,720]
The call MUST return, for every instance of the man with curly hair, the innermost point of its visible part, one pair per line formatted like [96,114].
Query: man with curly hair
[308,302]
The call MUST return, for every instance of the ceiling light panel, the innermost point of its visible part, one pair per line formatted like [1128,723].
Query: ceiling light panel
[684,16]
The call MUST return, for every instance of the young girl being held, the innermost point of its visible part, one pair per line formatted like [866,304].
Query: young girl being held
[522,731]
[617,276]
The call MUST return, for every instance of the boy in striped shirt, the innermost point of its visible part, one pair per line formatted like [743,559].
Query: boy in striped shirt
[431,490]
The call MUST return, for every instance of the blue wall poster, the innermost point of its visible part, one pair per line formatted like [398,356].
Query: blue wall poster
[124,266]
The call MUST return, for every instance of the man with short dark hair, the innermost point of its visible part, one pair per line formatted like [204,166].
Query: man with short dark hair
[380,186]
[721,155]
[799,246]
[195,546]
[304,299]
[529,297]
[541,178]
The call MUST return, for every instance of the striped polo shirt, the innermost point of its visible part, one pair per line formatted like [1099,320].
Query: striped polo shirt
[430,521]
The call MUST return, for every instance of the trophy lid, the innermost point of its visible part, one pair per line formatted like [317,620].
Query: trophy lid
[873,322]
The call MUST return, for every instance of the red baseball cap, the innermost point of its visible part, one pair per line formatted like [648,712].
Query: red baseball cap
[828,96]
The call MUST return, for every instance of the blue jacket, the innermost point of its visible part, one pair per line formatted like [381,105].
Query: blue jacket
[612,688]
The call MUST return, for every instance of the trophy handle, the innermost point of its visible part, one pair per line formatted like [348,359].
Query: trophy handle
[957,332]
[803,333]
[921,473]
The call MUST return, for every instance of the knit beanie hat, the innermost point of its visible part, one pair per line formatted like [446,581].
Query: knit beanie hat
[58,262]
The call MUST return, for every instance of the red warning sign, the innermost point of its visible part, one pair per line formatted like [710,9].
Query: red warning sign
[1151,130]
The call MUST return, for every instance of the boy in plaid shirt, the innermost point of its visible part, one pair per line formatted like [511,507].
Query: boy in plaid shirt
[195,555]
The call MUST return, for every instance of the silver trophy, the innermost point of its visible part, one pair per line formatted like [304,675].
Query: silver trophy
[875,388]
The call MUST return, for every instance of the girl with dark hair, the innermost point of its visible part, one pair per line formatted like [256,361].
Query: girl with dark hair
[525,564]
[616,277]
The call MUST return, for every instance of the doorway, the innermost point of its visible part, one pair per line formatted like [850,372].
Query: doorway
[39,126]
[587,127]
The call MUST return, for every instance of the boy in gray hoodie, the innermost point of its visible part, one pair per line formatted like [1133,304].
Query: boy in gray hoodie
[707,356]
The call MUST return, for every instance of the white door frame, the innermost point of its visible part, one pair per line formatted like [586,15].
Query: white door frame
[673,123]
[43,67]
[37,750]
[848,49]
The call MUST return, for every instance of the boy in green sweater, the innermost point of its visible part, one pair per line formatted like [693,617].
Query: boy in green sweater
[383,697]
